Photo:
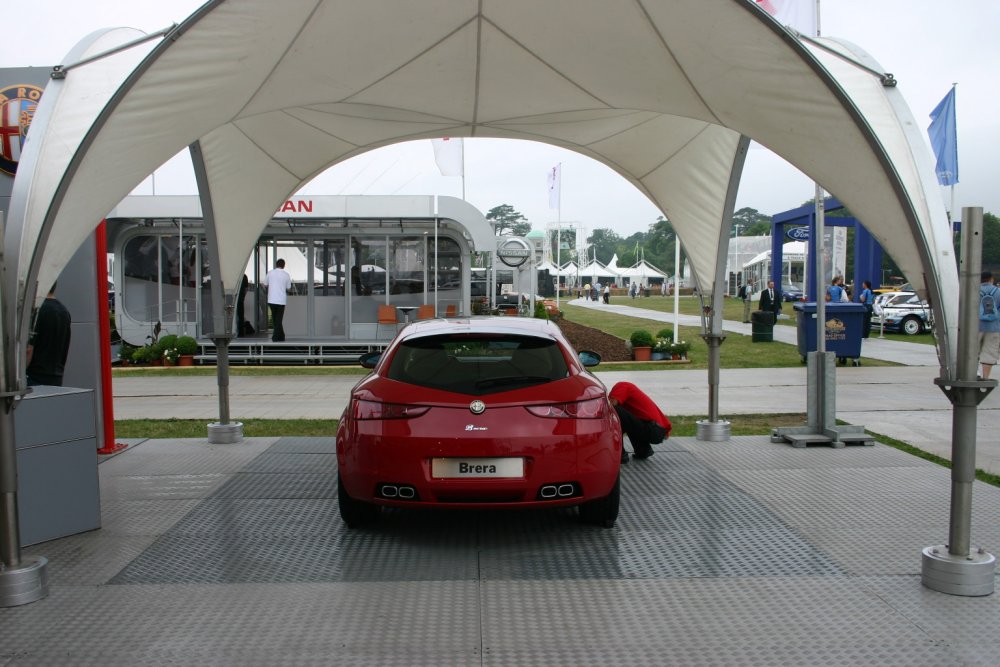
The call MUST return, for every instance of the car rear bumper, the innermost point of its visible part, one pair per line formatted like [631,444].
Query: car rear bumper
[588,463]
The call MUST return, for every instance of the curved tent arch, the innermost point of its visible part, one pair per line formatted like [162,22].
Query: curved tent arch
[661,92]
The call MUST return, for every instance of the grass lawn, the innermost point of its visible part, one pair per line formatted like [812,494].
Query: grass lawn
[737,351]
[732,309]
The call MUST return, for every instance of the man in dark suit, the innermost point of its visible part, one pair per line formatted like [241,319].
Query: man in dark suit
[770,300]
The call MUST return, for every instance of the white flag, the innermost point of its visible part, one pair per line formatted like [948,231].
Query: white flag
[554,178]
[449,155]
[798,14]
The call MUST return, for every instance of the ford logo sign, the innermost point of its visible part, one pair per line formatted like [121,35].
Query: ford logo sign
[798,233]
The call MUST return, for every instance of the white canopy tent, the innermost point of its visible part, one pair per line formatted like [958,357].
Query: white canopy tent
[667,93]
[596,270]
[642,270]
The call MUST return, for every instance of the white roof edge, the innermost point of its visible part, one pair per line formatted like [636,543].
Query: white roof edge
[359,207]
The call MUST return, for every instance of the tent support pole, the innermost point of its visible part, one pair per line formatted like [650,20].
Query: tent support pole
[956,568]
[21,581]
[714,428]
[221,432]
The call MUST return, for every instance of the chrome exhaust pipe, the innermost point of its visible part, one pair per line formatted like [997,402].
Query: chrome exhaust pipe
[407,492]
[548,491]
[566,490]
[389,491]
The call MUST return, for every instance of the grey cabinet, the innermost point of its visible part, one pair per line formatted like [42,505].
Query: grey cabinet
[58,492]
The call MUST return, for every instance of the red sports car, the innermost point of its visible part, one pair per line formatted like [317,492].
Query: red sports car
[479,413]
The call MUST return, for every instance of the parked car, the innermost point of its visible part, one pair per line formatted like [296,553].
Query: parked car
[902,312]
[491,412]
[790,292]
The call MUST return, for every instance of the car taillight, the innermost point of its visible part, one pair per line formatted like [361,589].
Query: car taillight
[373,410]
[591,409]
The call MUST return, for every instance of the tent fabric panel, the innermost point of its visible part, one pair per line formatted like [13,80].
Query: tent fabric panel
[241,213]
[514,84]
[690,189]
[441,81]
[387,33]
[299,148]
[623,61]
[644,148]
[579,128]
[894,125]
[361,131]
[184,94]
[66,112]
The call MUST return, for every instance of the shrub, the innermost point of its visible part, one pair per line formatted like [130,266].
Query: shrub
[641,338]
[126,351]
[680,347]
[187,345]
[663,344]
[540,311]
[167,342]
[143,355]
[665,333]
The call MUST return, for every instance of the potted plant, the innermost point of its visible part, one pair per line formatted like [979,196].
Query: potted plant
[662,348]
[142,355]
[666,332]
[170,356]
[125,353]
[680,349]
[187,347]
[642,345]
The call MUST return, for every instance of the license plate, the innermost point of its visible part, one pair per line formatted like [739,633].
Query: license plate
[475,467]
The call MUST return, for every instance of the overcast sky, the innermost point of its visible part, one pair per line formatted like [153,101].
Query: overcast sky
[926,44]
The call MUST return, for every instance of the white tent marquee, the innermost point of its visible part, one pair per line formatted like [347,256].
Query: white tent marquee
[642,271]
[666,92]
[596,270]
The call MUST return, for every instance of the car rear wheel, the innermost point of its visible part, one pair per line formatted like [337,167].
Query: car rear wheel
[603,511]
[912,326]
[355,513]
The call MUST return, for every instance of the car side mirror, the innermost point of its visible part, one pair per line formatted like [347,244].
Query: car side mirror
[588,358]
[370,359]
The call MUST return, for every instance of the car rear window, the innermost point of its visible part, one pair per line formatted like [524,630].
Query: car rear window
[478,364]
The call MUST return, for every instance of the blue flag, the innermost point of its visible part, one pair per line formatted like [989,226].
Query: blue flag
[944,139]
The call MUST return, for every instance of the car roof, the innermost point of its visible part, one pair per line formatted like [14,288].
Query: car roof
[487,324]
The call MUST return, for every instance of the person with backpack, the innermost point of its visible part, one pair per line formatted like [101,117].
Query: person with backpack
[745,292]
[989,324]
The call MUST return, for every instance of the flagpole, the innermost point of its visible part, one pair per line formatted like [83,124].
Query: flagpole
[463,169]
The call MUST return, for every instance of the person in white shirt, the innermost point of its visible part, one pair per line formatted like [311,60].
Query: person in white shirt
[278,283]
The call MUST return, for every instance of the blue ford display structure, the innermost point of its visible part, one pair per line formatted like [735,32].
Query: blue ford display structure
[844,322]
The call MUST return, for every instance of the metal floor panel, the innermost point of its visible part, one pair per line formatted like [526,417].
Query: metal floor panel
[158,487]
[142,517]
[186,456]
[293,462]
[751,621]
[733,553]
[279,485]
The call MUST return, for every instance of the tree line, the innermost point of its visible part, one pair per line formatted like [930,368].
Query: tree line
[656,244]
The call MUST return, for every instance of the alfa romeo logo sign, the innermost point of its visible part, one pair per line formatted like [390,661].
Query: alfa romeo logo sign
[17,108]
[514,251]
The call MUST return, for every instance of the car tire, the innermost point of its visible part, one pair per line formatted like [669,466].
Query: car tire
[603,511]
[355,513]
[911,326]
